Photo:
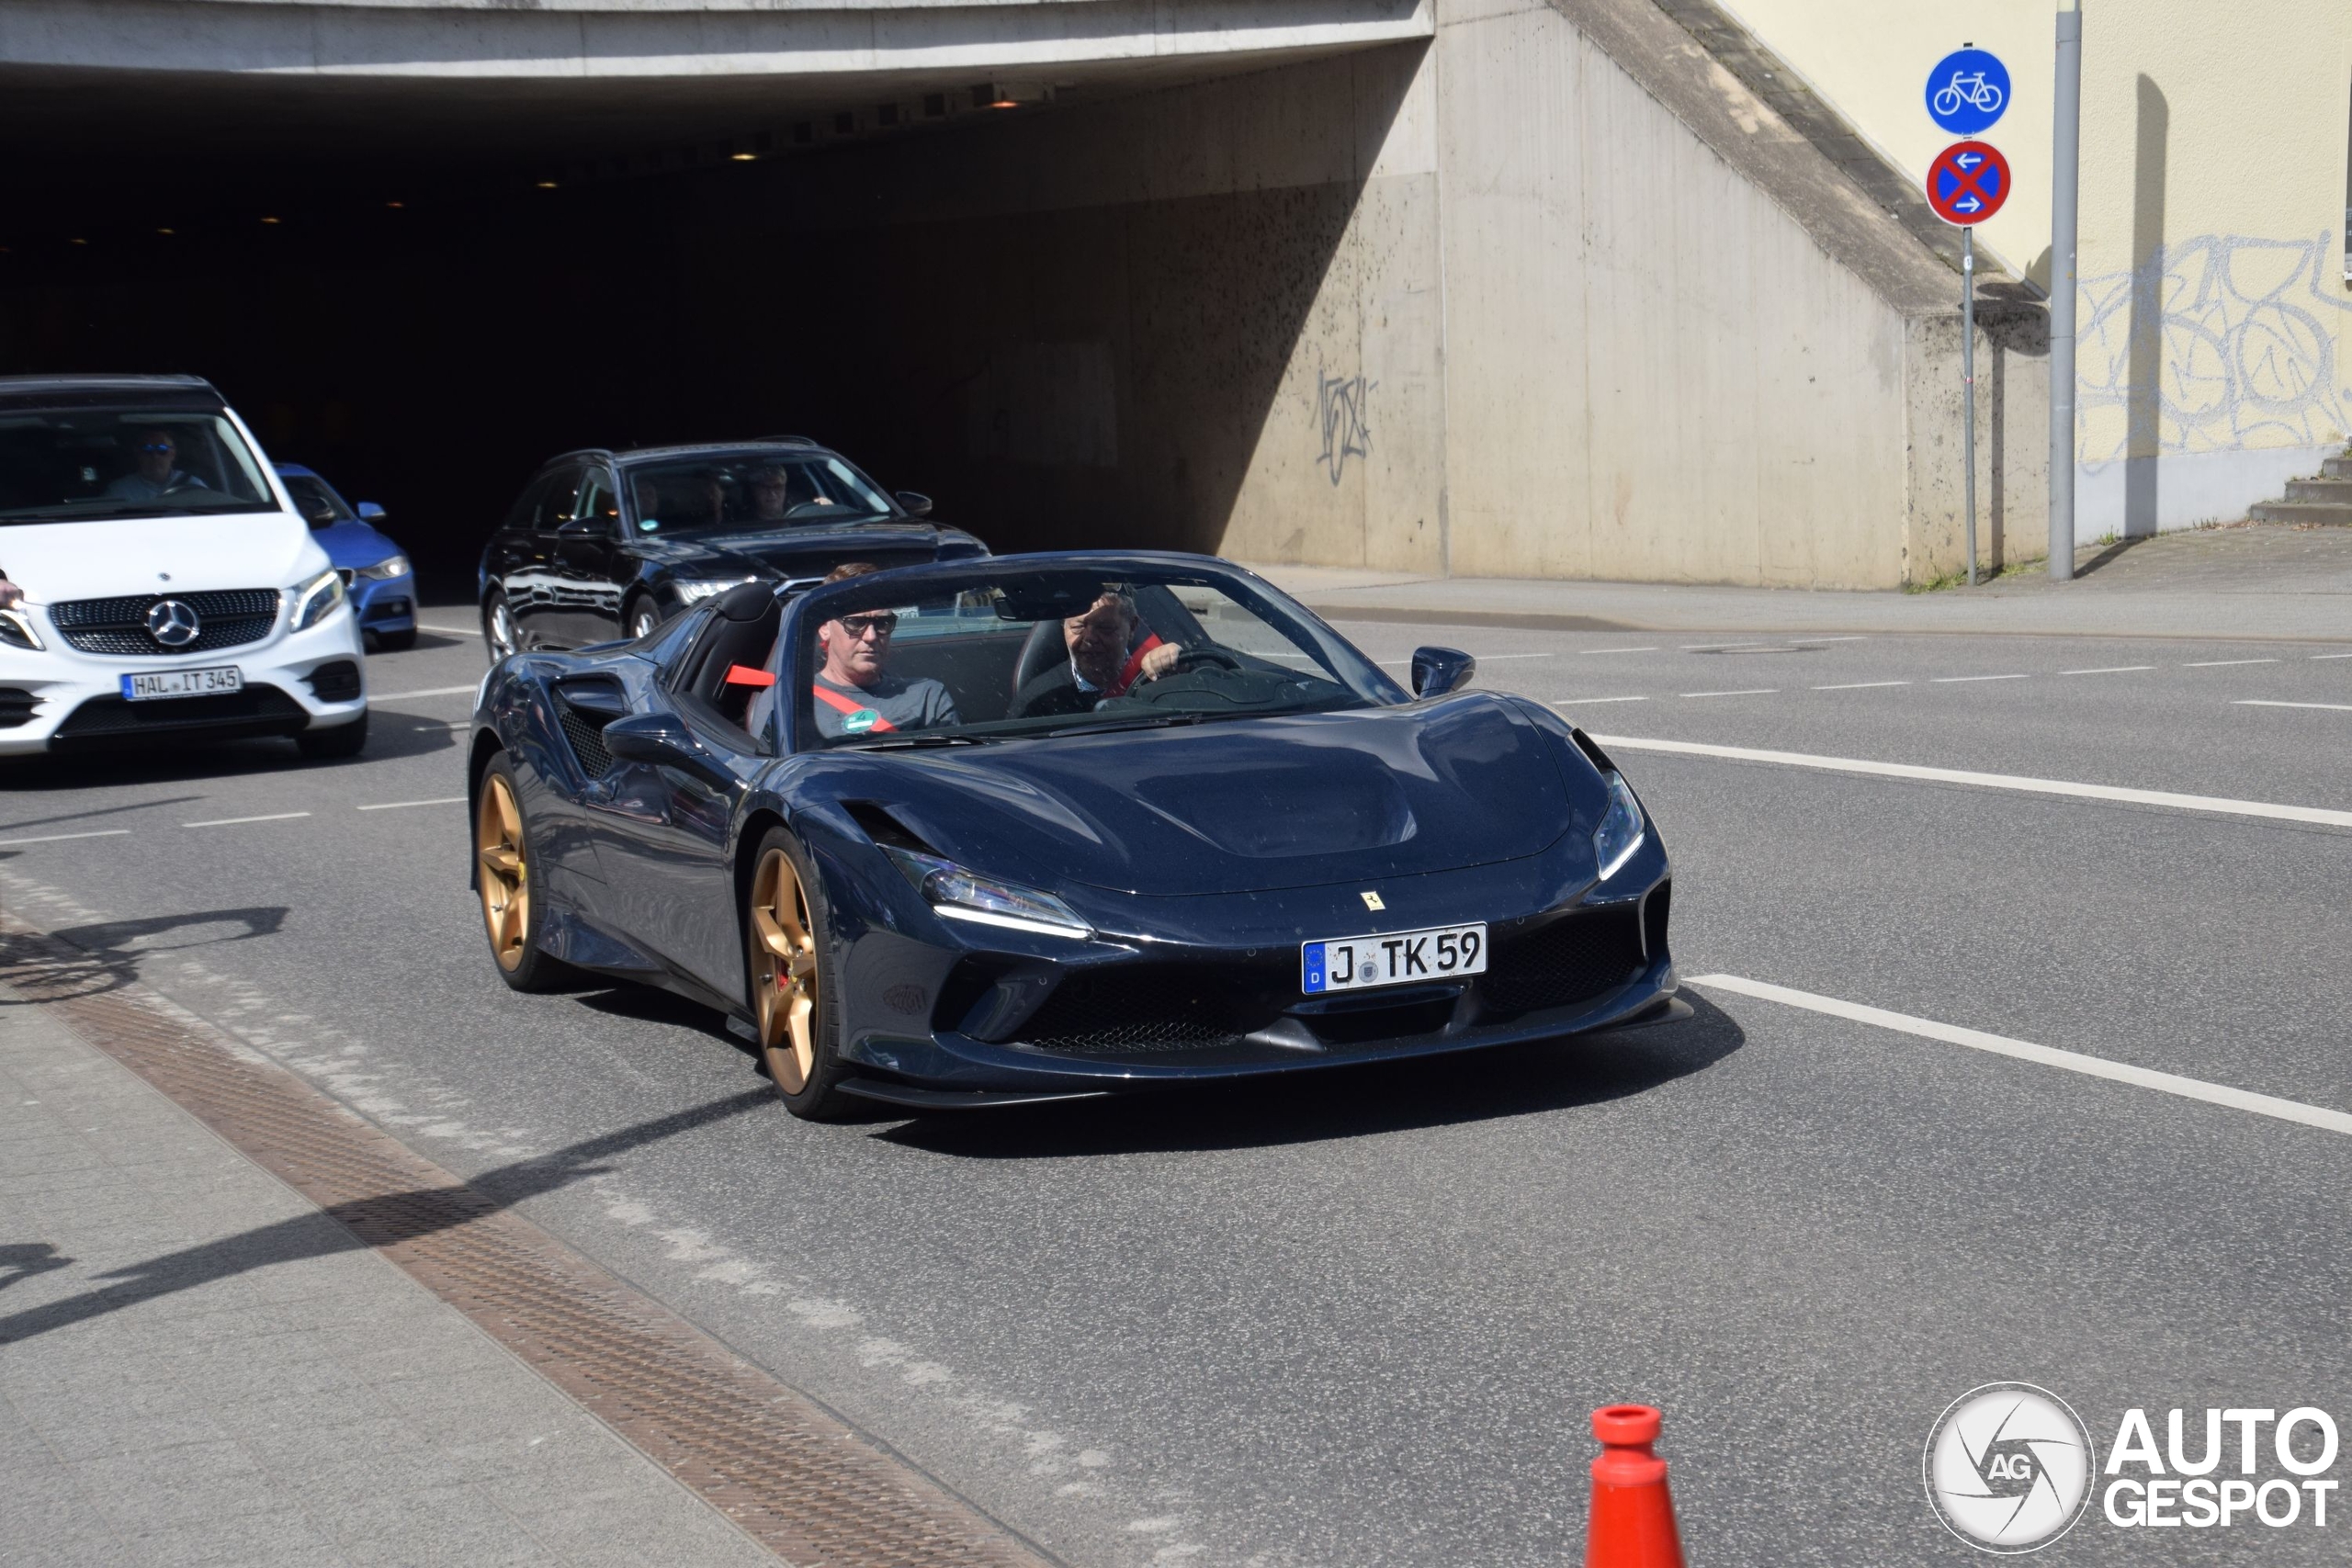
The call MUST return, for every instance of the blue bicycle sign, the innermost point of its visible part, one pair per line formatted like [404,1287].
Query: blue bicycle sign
[1967,91]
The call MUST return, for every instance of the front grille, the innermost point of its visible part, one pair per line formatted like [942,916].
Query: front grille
[256,710]
[1138,1011]
[587,739]
[16,706]
[226,618]
[1576,957]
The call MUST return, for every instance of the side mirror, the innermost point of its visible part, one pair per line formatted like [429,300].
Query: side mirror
[917,504]
[371,513]
[582,528]
[1437,670]
[658,740]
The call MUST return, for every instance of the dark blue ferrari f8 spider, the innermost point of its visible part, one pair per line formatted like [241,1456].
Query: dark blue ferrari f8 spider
[1044,826]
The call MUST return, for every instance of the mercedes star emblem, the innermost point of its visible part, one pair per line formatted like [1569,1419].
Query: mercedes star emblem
[171,623]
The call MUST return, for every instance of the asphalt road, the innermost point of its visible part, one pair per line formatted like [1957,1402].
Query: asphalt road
[1361,1319]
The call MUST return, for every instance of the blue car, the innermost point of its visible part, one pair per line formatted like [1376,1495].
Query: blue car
[375,574]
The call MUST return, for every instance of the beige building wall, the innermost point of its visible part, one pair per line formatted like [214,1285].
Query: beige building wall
[2214,346]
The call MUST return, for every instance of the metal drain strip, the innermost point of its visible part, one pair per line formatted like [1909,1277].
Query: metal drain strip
[787,1471]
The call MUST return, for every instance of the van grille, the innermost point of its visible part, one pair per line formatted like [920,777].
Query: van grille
[225,618]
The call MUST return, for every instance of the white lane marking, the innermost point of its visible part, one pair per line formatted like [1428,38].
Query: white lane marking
[450,631]
[399,804]
[2332,656]
[439,728]
[1955,680]
[2260,703]
[60,838]
[428,692]
[233,821]
[1993,780]
[2219,663]
[2044,1055]
[1728,647]
[1620,651]
[1861,685]
[1490,658]
[1573,701]
[2109,670]
[1748,692]
[1854,637]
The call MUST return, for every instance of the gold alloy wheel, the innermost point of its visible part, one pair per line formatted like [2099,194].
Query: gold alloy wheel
[783,973]
[504,879]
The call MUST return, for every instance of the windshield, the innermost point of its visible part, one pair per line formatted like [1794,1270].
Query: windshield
[762,490]
[316,500]
[75,464]
[1058,651]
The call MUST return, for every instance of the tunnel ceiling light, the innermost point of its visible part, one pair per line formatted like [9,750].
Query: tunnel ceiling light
[742,157]
[396,205]
[1014,94]
[269,220]
[77,241]
[547,184]
[167,230]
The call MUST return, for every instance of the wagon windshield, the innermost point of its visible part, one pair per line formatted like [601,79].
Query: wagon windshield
[1068,651]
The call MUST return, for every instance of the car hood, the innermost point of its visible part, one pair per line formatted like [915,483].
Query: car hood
[1247,806]
[101,559]
[803,551]
[350,543]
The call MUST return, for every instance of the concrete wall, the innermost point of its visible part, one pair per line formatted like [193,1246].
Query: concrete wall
[2215,339]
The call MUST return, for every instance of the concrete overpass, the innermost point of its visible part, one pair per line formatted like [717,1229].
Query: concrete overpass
[1537,288]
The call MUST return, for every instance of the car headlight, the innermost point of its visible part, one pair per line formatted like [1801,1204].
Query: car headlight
[383,570]
[1620,831]
[16,631]
[961,895]
[695,590]
[314,600]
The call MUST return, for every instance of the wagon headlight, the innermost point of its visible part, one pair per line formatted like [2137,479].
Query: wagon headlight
[1620,831]
[16,631]
[383,570]
[961,895]
[315,599]
[695,590]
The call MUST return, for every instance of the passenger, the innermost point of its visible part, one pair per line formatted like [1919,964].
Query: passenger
[155,473]
[714,497]
[648,500]
[1102,663]
[855,694]
[770,494]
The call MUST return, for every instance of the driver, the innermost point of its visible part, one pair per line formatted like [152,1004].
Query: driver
[854,694]
[1101,664]
[156,472]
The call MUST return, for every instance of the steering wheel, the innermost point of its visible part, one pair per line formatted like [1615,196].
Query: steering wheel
[1192,659]
[811,508]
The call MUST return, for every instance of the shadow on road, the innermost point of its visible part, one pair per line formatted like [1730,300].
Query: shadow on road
[103,957]
[1344,1102]
[384,1220]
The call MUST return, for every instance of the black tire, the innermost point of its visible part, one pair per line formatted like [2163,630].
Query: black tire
[334,745]
[495,615]
[514,937]
[396,642]
[807,1080]
[642,619]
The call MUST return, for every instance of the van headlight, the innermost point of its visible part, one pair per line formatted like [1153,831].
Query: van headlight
[1620,831]
[16,631]
[961,895]
[315,600]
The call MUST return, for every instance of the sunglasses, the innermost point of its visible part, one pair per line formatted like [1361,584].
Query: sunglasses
[158,447]
[880,626]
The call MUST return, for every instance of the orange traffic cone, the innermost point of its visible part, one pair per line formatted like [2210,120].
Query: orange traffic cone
[1632,1519]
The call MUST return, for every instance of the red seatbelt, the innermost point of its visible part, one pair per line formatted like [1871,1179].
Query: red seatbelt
[1118,688]
[841,704]
[744,675]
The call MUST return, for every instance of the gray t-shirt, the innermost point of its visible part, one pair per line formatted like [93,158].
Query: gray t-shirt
[920,704]
[136,486]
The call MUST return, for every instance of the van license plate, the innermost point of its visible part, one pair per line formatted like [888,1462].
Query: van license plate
[181,683]
[1399,958]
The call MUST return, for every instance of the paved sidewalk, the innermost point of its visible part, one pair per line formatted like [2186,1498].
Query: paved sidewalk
[2246,583]
[198,1366]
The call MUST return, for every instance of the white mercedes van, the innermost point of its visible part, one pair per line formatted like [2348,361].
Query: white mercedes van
[171,591]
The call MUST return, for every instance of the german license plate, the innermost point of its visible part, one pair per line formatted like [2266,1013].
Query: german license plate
[1397,958]
[181,683]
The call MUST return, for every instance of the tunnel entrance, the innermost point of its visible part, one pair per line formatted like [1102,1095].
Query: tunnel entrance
[1066,311]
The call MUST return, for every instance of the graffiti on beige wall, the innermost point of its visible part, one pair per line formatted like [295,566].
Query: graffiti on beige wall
[1343,409]
[2246,356]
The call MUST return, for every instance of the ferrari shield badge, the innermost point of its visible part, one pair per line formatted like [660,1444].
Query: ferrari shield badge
[1372,901]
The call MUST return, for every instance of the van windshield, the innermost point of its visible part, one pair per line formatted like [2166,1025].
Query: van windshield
[77,464]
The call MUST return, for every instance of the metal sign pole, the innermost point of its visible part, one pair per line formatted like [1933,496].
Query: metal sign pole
[2067,104]
[1968,388]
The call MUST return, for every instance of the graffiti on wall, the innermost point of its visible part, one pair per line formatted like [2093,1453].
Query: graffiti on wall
[1342,407]
[2246,357]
